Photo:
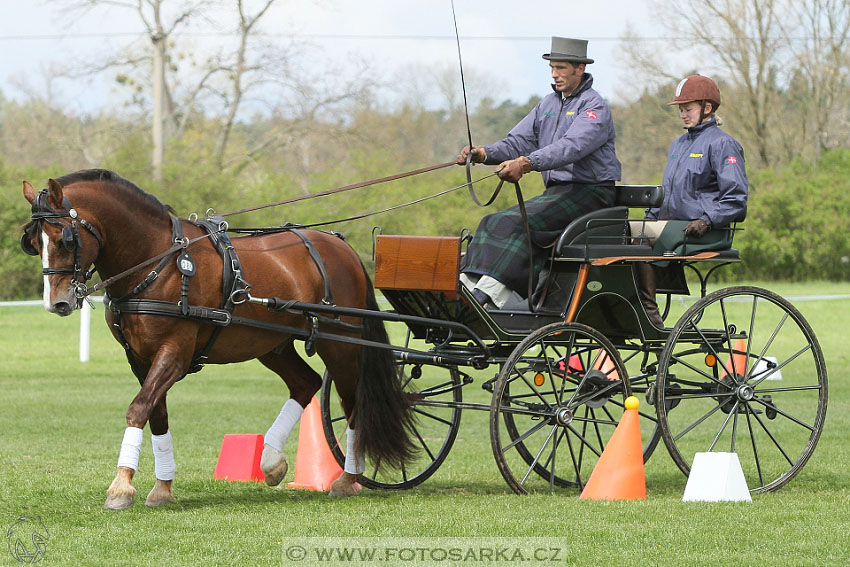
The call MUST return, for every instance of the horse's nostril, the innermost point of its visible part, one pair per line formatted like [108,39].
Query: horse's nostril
[63,308]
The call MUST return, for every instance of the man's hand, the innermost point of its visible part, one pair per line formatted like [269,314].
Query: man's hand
[478,155]
[513,169]
[697,228]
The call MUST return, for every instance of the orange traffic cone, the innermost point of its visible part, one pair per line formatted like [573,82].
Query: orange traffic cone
[575,364]
[738,361]
[619,474]
[606,365]
[315,466]
[239,457]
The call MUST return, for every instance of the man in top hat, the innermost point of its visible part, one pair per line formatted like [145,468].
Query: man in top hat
[569,138]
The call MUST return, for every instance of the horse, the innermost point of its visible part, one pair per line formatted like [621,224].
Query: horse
[95,217]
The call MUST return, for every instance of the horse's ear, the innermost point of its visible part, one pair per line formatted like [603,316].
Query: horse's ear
[29,192]
[55,191]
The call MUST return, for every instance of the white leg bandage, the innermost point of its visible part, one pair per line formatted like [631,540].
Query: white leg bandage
[163,456]
[354,464]
[279,432]
[131,446]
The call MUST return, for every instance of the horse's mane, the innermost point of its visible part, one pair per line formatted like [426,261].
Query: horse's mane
[106,176]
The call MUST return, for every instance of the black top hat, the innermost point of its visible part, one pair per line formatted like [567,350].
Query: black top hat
[566,49]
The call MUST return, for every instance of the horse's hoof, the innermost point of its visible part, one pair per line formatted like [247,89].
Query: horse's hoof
[342,493]
[273,465]
[155,502]
[120,502]
[160,494]
[344,486]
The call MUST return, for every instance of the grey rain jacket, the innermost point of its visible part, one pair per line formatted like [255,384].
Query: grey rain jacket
[705,178]
[569,140]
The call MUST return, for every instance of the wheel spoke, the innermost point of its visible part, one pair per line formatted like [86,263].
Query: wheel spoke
[705,416]
[788,416]
[525,435]
[793,357]
[537,456]
[774,439]
[429,415]
[755,448]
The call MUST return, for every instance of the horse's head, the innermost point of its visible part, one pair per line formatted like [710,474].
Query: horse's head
[55,234]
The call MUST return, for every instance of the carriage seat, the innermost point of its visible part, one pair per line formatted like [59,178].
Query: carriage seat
[605,232]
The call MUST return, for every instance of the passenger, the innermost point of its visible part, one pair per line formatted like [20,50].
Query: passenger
[705,185]
[569,137]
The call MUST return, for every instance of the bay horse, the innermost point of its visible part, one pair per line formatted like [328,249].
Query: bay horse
[95,217]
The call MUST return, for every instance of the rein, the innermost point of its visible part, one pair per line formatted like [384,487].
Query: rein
[81,291]
[342,189]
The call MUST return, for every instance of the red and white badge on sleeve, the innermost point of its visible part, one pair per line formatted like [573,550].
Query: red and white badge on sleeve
[731,160]
[591,114]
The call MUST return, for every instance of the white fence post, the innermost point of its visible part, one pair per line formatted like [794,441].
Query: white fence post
[85,331]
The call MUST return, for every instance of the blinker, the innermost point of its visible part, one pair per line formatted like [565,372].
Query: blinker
[68,240]
[27,246]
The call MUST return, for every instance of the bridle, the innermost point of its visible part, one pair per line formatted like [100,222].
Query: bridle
[69,239]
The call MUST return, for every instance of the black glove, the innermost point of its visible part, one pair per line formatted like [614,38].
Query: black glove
[697,228]
[478,155]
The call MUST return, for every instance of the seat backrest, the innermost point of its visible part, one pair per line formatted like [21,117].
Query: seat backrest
[639,196]
[606,224]
[609,226]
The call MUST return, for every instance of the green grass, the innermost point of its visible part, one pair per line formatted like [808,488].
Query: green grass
[61,423]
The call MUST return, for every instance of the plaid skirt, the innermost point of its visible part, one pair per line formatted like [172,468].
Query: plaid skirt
[499,248]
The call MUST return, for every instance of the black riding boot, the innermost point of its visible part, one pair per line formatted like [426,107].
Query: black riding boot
[645,279]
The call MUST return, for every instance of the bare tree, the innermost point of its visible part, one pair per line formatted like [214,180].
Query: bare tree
[820,34]
[743,39]
[782,64]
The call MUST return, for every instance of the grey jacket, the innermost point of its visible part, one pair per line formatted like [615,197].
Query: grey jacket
[705,178]
[569,140]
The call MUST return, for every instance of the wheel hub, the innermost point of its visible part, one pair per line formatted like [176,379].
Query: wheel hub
[745,392]
[563,416]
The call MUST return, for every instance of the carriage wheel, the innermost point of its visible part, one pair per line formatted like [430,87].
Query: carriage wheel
[743,372]
[435,394]
[555,404]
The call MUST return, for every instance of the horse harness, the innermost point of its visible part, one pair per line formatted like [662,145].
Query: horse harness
[234,286]
[234,291]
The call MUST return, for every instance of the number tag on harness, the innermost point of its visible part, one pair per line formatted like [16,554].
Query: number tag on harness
[185,264]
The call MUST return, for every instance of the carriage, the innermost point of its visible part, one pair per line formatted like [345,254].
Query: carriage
[737,370]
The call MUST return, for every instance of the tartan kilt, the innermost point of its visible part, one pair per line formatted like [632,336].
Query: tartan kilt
[499,247]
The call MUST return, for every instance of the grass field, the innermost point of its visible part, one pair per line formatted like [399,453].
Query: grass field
[61,423]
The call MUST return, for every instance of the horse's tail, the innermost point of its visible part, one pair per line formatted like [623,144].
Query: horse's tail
[383,416]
